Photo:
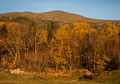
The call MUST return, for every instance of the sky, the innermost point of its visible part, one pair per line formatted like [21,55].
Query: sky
[99,9]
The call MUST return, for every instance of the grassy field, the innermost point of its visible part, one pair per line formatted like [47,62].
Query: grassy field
[105,78]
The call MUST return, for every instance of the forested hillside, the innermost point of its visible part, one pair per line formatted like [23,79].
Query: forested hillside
[58,41]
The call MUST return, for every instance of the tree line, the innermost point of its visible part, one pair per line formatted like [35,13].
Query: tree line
[80,45]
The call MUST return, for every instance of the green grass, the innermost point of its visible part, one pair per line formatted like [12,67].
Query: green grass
[105,78]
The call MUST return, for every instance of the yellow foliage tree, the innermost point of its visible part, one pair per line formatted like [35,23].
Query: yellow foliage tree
[9,62]
[61,51]
[98,63]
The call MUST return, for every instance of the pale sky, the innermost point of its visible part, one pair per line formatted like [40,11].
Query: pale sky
[100,9]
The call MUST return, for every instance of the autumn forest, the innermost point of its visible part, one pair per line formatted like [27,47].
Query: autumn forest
[40,45]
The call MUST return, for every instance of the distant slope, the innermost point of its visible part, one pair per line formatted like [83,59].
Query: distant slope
[63,16]
[59,16]
[52,19]
[52,15]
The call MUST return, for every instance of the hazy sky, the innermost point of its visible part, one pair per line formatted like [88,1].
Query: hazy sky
[100,9]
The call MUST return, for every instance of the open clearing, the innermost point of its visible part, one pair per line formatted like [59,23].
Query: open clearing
[104,78]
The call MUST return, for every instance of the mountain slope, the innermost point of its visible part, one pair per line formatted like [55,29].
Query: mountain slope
[63,16]
[59,16]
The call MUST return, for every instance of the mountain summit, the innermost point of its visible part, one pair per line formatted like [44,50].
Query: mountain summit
[63,16]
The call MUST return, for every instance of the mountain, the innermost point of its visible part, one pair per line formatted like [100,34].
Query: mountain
[52,20]
[63,16]
[59,16]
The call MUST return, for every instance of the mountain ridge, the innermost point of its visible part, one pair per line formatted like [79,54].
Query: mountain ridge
[55,15]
